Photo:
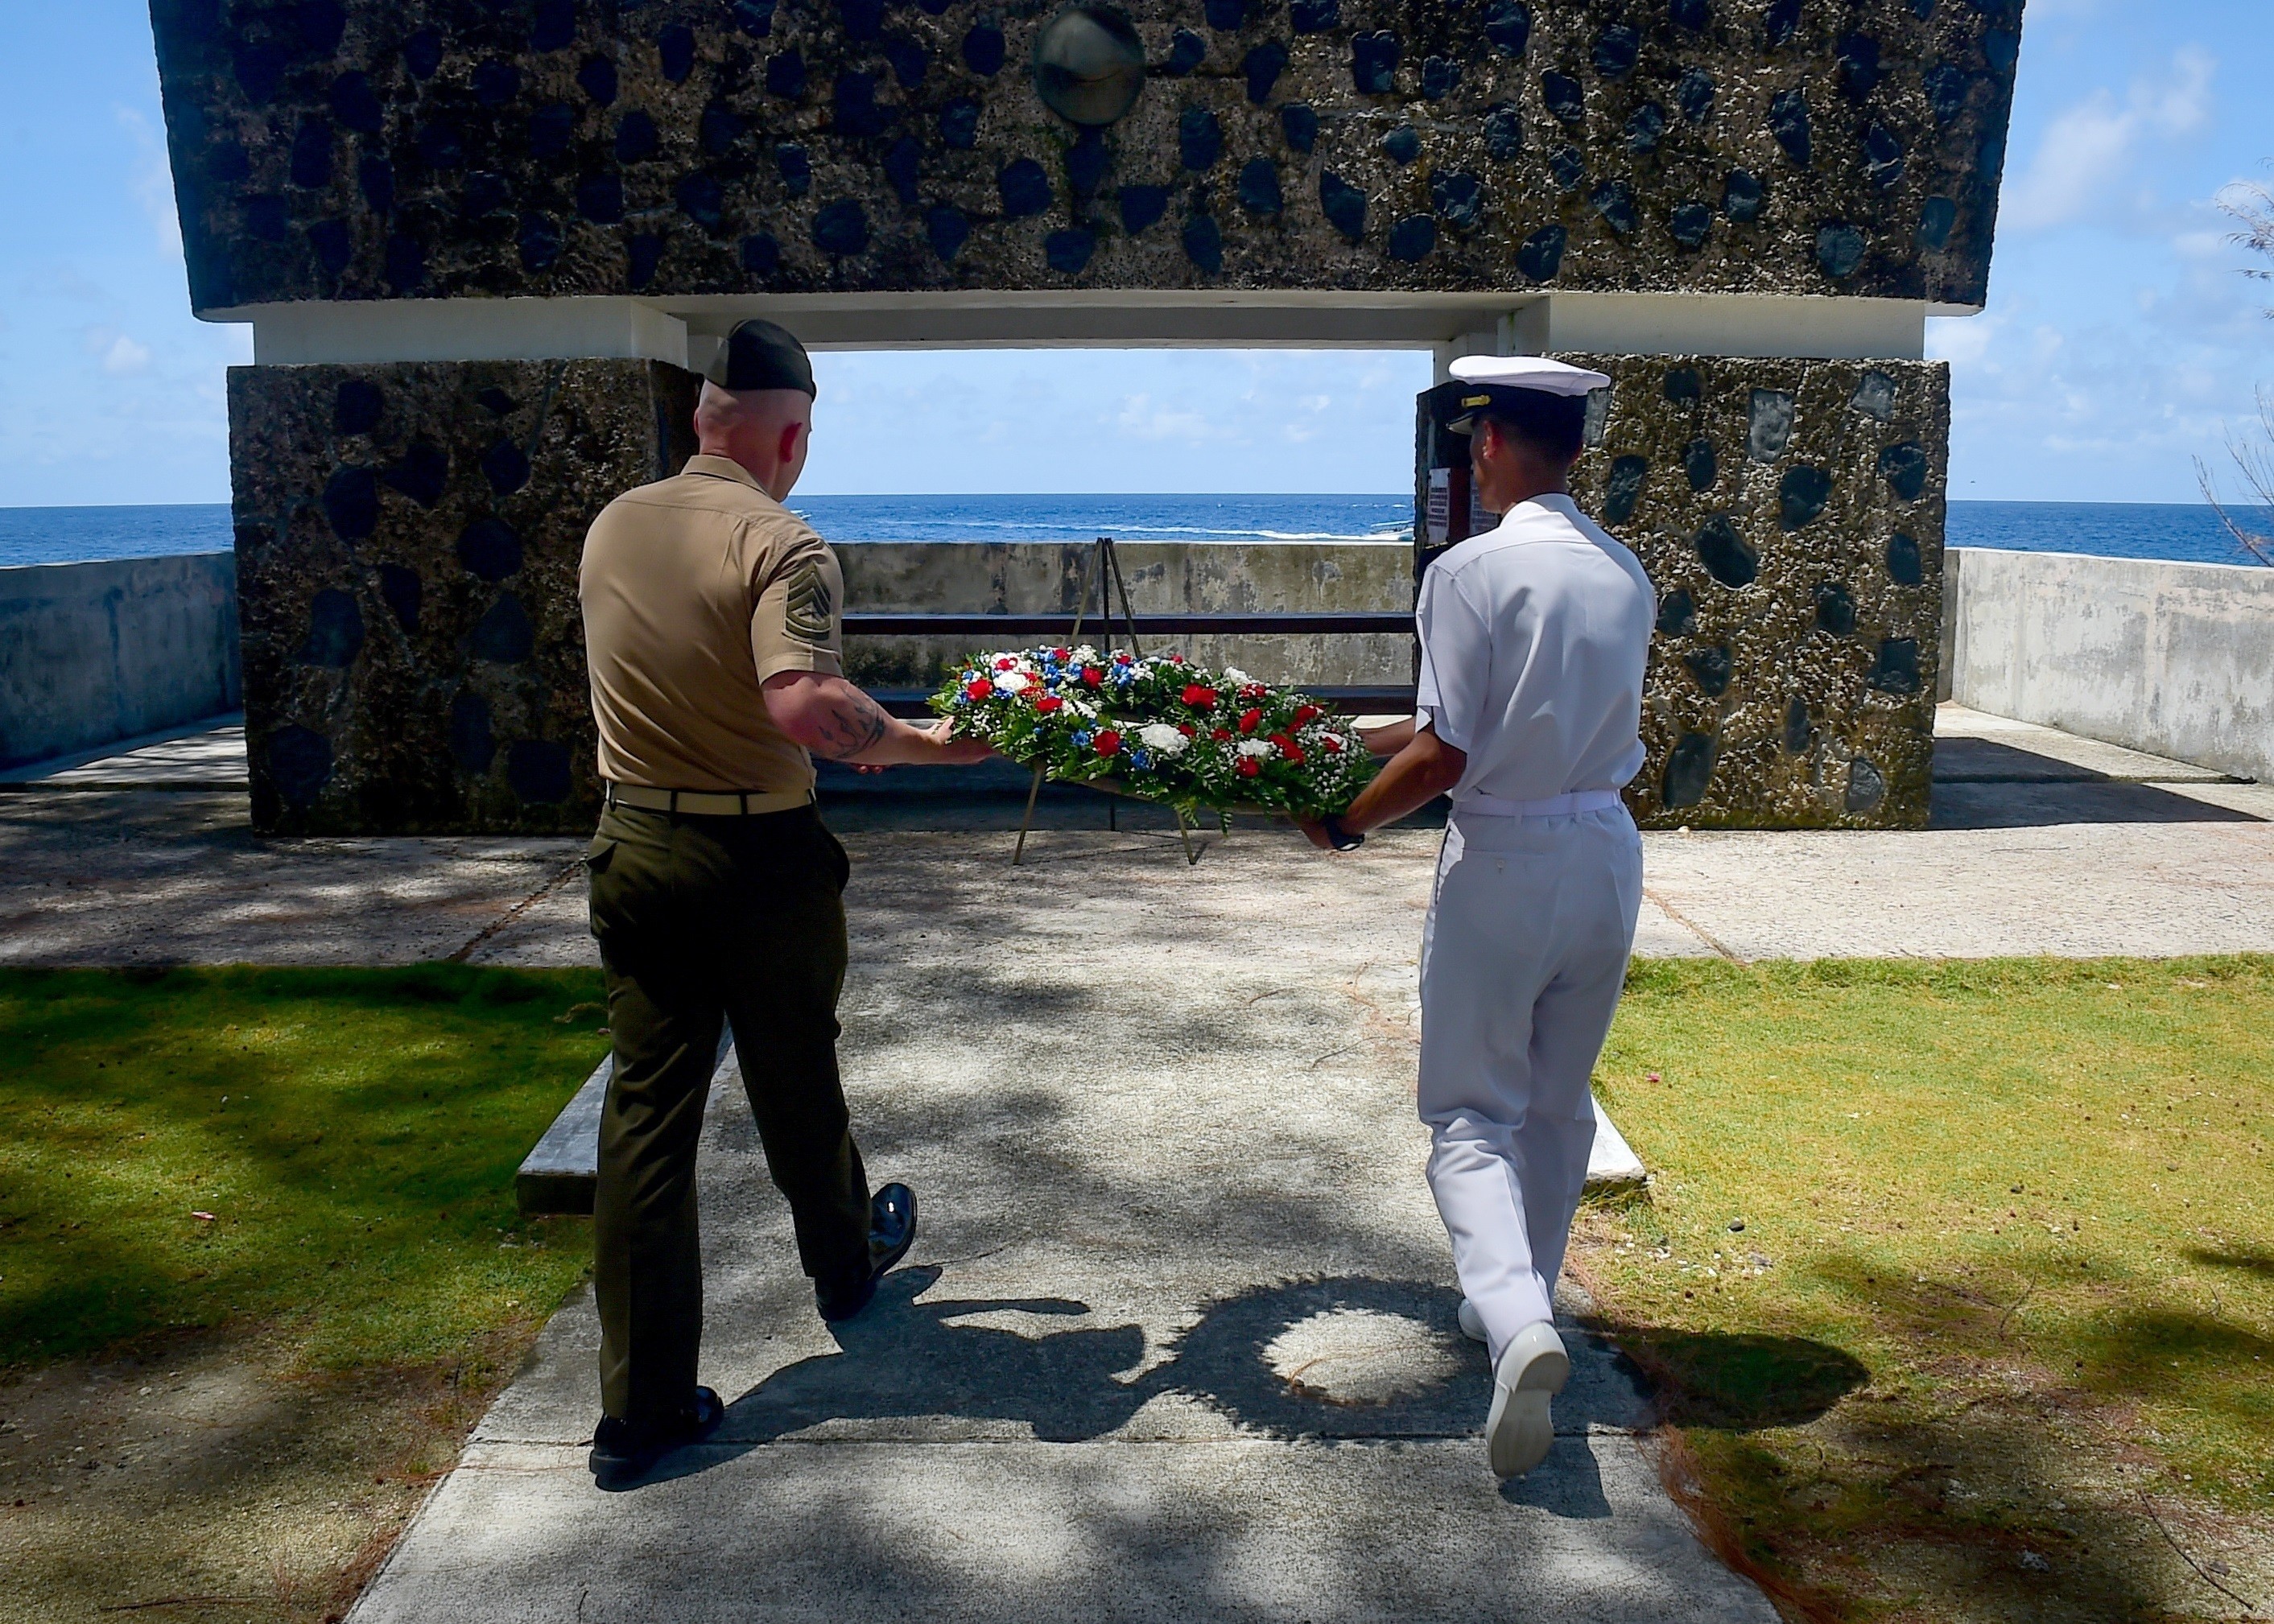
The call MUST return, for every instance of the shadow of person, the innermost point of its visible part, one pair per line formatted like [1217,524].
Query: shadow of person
[1568,1484]
[906,1359]
[1345,1358]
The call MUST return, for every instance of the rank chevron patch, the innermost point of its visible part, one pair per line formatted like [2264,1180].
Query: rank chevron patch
[808,612]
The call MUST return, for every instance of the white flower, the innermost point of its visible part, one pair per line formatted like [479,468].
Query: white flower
[1260,749]
[1235,675]
[1163,738]
[1085,656]
[1012,683]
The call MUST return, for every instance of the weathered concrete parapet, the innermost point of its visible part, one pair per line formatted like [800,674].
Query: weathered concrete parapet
[93,653]
[407,540]
[1790,515]
[344,149]
[2174,659]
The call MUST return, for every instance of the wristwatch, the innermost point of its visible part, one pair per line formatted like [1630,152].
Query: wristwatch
[1339,837]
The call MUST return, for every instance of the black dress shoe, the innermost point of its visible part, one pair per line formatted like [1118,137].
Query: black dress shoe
[622,1452]
[892,1231]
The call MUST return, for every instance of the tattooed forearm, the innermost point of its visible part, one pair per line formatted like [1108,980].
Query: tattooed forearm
[849,724]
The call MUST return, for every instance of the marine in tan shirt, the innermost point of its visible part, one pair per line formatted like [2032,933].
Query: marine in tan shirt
[696,590]
[711,630]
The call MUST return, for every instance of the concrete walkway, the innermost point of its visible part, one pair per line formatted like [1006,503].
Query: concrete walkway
[1178,1339]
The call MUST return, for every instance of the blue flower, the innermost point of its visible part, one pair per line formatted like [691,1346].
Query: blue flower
[1141,759]
[1080,741]
[1050,678]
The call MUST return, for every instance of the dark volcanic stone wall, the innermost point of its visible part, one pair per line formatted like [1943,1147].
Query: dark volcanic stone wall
[350,149]
[407,544]
[1790,513]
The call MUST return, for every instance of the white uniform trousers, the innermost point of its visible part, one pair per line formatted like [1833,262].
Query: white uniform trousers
[1522,963]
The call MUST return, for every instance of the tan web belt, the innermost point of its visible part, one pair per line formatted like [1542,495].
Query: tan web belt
[708,803]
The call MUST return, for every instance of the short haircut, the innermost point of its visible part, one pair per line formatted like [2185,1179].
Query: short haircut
[1554,425]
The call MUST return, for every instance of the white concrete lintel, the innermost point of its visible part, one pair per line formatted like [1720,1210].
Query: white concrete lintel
[511,329]
[682,331]
[1730,324]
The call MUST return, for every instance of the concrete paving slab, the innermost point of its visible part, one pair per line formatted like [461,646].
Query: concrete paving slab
[107,878]
[2084,889]
[207,754]
[1235,1529]
[1973,744]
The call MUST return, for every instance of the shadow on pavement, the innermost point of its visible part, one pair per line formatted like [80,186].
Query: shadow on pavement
[908,1359]
[1980,784]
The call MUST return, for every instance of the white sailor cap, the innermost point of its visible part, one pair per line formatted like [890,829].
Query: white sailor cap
[1499,381]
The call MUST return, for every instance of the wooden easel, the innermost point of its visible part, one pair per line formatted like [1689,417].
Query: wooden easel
[1104,566]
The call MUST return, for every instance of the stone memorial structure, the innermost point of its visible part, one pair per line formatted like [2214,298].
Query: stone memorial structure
[480,241]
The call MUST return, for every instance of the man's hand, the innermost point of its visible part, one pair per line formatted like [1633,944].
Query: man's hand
[954,752]
[1416,776]
[838,722]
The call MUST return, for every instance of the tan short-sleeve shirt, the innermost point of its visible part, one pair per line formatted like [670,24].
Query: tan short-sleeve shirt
[696,589]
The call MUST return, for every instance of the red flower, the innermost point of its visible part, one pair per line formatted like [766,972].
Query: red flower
[1198,697]
[1109,743]
[1062,655]
[1334,744]
[1049,702]
[1175,659]
[1253,690]
[1288,748]
[1307,713]
[1251,721]
[1004,662]
[1123,659]
[1221,734]
[1187,728]
[979,690]
[1092,674]
[1249,767]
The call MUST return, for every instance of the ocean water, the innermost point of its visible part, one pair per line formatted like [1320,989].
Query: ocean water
[2189,533]
[74,535]
[2183,532]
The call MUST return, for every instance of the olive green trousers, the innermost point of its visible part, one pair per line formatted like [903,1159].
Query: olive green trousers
[702,919]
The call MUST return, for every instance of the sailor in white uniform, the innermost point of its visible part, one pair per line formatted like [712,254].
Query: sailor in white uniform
[1534,639]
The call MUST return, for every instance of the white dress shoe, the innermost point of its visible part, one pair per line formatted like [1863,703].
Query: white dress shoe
[1472,1323]
[1520,1431]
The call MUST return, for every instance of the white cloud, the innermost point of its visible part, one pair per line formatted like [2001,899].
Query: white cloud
[2087,152]
[152,184]
[118,354]
[1141,419]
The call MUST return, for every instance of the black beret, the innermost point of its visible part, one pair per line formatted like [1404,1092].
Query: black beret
[759,355]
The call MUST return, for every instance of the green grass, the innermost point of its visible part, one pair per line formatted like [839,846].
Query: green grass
[352,1132]
[2006,1263]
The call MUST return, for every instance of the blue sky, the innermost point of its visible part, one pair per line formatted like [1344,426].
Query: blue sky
[2120,342]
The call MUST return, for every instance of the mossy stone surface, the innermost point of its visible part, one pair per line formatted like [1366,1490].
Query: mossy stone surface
[435,149]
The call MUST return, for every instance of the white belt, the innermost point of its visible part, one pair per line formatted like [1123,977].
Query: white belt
[1555,806]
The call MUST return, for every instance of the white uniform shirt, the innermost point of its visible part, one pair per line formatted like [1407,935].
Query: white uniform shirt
[1534,639]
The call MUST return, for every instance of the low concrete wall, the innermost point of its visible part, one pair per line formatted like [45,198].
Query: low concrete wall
[2177,659]
[90,653]
[1163,578]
